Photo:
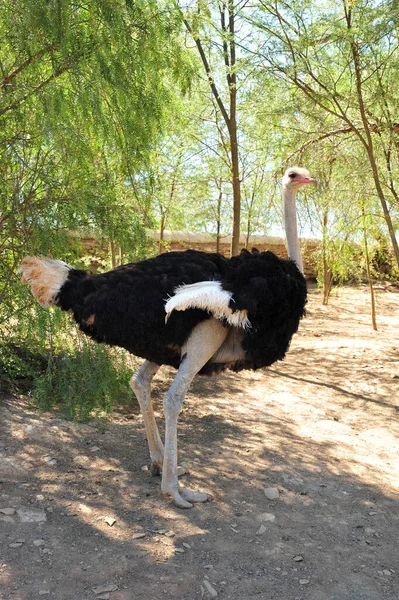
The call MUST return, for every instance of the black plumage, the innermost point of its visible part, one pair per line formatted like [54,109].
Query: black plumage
[126,306]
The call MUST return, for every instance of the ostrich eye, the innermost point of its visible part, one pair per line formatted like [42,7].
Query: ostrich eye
[292,175]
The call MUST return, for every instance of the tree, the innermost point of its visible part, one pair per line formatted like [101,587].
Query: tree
[218,52]
[343,60]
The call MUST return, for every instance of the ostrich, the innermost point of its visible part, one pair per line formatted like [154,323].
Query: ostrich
[198,312]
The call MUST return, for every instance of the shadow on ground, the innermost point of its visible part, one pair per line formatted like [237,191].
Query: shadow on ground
[320,427]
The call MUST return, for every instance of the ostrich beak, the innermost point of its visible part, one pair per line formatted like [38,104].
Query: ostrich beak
[306,180]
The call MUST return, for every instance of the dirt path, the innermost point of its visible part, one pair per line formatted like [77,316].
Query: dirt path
[321,427]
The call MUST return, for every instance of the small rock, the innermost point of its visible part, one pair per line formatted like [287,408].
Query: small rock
[144,468]
[38,543]
[43,592]
[267,517]
[81,460]
[138,535]
[170,534]
[210,589]
[262,529]
[6,519]
[298,558]
[110,521]
[15,545]
[107,587]
[50,460]
[39,497]
[31,515]
[179,550]
[186,545]
[94,449]
[7,511]
[386,572]
[369,531]
[304,581]
[272,493]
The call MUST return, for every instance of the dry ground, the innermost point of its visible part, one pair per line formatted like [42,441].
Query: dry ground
[321,427]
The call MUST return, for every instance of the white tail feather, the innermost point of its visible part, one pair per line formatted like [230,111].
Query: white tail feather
[209,296]
[45,276]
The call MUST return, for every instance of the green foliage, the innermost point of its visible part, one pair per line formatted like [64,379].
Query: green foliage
[44,352]
[84,92]
[86,383]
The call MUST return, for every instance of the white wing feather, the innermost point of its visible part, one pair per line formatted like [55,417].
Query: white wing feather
[209,296]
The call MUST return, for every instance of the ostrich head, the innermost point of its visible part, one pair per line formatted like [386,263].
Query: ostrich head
[294,178]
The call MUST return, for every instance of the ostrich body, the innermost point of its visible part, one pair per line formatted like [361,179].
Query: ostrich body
[198,312]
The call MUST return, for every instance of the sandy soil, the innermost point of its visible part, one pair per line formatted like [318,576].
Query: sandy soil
[321,427]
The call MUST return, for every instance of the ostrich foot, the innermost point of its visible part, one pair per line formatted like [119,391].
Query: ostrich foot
[183,497]
[156,469]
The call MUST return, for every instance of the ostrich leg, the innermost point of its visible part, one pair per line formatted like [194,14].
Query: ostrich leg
[141,386]
[205,339]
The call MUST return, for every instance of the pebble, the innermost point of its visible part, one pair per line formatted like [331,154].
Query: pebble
[138,536]
[170,534]
[298,558]
[272,493]
[7,511]
[15,545]
[81,460]
[267,517]
[186,545]
[179,550]
[209,589]
[262,529]
[6,519]
[107,587]
[31,515]
[304,581]
[50,460]
[44,592]
[38,543]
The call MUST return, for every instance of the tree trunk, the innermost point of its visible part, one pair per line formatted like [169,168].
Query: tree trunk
[327,271]
[235,238]
[218,218]
[232,126]
[161,245]
[229,52]
[113,255]
[368,269]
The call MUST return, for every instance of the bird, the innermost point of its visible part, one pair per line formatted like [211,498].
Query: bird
[198,312]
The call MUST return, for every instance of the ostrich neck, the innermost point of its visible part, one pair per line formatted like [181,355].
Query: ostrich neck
[291,229]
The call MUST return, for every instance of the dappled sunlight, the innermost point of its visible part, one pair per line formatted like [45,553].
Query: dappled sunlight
[320,427]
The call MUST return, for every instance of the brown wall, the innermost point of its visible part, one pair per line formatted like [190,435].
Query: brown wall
[181,240]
